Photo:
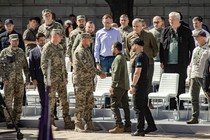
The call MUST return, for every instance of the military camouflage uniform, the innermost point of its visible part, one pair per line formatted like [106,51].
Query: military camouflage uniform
[77,41]
[15,88]
[84,72]
[58,78]
[124,32]
[72,37]
[46,30]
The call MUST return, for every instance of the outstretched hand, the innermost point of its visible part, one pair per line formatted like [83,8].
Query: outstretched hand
[103,75]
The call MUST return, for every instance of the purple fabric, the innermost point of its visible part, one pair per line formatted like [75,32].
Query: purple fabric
[45,130]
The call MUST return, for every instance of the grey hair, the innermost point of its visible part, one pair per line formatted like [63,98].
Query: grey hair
[138,20]
[175,14]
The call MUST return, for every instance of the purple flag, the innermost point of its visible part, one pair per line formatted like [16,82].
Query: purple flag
[45,130]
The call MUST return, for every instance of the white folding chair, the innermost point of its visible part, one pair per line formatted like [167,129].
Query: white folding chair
[70,90]
[68,65]
[168,88]
[33,100]
[102,90]
[156,75]
[187,97]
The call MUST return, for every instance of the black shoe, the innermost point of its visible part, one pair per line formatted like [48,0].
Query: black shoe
[10,125]
[56,118]
[19,125]
[150,129]
[138,133]
[192,121]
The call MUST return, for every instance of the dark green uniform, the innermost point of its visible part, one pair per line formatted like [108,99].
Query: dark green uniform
[120,85]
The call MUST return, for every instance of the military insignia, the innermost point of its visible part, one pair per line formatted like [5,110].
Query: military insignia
[84,60]
[138,64]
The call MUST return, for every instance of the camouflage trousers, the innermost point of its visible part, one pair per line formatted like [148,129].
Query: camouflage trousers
[14,91]
[84,103]
[60,89]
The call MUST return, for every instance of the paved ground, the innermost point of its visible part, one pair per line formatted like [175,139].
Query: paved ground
[31,134]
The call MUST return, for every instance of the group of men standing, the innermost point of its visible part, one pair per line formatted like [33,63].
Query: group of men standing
[109,52]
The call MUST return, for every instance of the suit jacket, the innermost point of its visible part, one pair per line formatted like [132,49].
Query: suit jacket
[34,65]
[185,46]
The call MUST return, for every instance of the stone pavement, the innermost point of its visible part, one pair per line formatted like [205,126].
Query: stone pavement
[31,134]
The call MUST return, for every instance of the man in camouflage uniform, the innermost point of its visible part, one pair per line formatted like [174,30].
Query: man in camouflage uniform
[89,28]
[53,51]
[125,29]
[48,25]
[81,21]
[13,80]
[84,72]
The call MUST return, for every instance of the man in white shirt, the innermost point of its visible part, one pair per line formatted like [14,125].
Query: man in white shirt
[195,73]
[197,25]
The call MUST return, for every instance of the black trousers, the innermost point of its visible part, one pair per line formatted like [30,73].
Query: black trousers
[41,90]
[140,99]
[174,68]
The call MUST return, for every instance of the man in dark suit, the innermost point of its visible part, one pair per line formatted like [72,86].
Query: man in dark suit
[34,66]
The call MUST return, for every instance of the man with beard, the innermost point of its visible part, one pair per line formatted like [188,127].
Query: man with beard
[81,21]
[13,80]
[119,90]
[139,89]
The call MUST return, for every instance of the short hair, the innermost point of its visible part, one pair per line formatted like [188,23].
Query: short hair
[39,35]
[181,16]
[124,16]
[175,14]
[138,20]
[198,18]
[118,45]
[90,22]
[162,18]
[72,15]
[33,18]
[107,16]
[38,19]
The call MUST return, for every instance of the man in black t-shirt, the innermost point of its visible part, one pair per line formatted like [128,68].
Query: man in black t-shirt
[139,90]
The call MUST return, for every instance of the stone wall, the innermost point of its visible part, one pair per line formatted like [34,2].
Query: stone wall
[21,10]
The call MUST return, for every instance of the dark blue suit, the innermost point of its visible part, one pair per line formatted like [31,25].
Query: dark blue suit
[36,72]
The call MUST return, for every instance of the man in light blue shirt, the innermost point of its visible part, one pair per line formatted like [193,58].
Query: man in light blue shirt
[105,38]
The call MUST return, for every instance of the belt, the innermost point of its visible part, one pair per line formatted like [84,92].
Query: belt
[107,56]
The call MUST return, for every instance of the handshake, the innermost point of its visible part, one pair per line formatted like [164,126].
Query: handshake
[105,74]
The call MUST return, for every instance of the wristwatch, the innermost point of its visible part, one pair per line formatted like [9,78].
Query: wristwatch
[133,86]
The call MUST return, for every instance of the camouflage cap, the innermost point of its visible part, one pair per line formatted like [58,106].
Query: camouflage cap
[80,17]
[13,37]
[56,31]
[86,35]
[45,11]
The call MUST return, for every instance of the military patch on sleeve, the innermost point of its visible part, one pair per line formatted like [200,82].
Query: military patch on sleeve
[84,60]
[138,64]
